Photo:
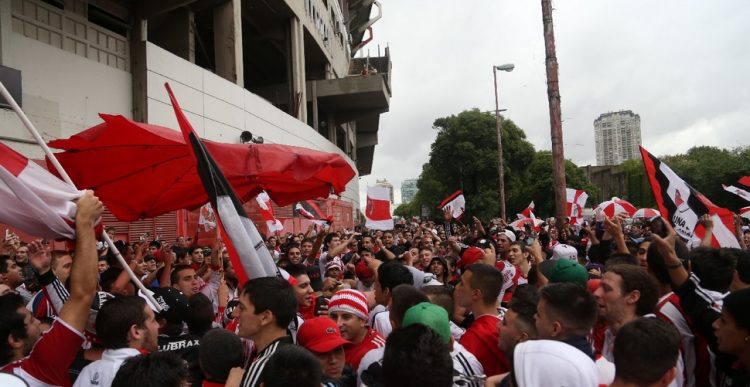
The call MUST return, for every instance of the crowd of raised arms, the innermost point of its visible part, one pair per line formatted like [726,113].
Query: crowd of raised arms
[617,302]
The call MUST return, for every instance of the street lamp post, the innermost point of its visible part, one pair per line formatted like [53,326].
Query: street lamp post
[498,127]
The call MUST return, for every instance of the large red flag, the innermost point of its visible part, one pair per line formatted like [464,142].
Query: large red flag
[249,255]
[34,200]
[378,211]
[683,206]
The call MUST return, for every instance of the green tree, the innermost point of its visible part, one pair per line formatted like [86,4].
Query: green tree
[638,187]
[464,156]
[407,210]
[706,168]
[539,184]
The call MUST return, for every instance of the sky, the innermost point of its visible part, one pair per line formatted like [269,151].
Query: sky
[683,66]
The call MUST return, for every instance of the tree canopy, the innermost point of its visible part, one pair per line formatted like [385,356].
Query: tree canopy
[464,156]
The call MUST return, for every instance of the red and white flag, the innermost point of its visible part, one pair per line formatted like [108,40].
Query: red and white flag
[308,209]
[455,203]
[683,206]
[34,200]
[206,217]
[249,255]
[266,211]
[576,200]
[378,211]
[528,212]
[741,188]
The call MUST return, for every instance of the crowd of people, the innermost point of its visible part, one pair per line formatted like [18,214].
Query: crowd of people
[619,302]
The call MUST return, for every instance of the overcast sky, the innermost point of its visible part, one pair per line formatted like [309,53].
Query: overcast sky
[683,66]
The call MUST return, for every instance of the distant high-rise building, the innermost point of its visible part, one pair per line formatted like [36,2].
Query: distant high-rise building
[385,184]
[617,136]
[408,190]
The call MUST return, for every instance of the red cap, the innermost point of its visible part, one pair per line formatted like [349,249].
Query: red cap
[470,255]
[320,335]
[362,271]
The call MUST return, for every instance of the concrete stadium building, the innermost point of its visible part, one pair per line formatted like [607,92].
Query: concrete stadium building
[283,70]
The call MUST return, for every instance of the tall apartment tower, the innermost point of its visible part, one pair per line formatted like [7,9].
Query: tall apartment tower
[386,184]
[408,190]
[617,136]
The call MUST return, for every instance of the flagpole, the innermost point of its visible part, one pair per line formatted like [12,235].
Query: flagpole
[51,156]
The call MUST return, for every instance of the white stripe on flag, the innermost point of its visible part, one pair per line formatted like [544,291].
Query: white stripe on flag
[723,235]
[252,252]
[37,202]
[737,191]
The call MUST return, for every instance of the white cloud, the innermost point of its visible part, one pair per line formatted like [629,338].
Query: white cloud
[682,66]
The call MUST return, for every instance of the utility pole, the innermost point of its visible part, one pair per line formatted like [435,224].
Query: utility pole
[499,129]
[555,121]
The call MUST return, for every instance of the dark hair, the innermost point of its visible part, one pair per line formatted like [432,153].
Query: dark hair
[156,244]
[524,302]
[115,318]
[416,356]
[274,294]
[572,305]
[174,277]
[112,260]
[440,295]
[714,267]
[645,349]
[656,264]
[365,249]
[296,269]
[735,303]
[635,278]
[743,264]
[488,279]
[4,259]
[621,259]
[404,297]
[148,258]
[292,365]
[11,324]
[328,239]
[201,313]
[192,249]
[220,351]
[392,274]
[179,252]
[158,369]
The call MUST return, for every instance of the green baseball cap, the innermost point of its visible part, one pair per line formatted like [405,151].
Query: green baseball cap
[564,270]
[431,316]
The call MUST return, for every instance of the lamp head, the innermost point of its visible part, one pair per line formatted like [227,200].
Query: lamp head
[506,67]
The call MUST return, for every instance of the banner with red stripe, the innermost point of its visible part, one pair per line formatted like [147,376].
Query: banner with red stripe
[683,206]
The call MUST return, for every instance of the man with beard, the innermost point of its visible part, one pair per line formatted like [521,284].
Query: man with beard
[125,325]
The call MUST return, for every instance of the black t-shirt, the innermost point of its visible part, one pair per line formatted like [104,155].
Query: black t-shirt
[185,346]
[395,249]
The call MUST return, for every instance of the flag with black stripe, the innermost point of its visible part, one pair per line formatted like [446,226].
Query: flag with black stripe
[683,206]
[741,188]
[247,251]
